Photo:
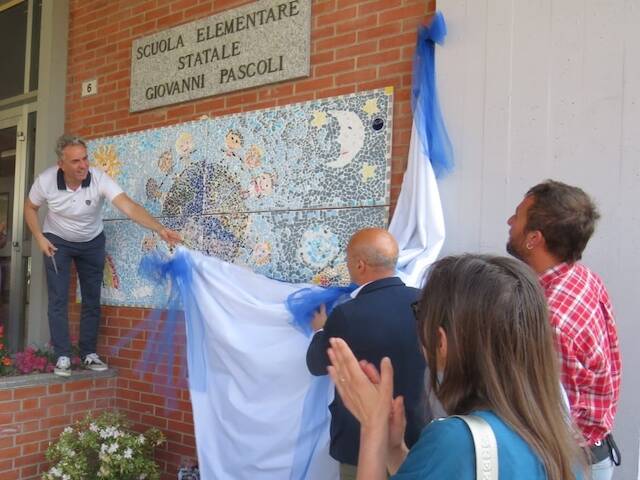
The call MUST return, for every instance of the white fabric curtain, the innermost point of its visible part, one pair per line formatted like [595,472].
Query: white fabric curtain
[248,414]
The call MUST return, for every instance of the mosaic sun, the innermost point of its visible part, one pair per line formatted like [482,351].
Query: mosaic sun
[279,191]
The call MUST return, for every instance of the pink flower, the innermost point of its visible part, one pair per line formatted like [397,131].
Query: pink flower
[31,360]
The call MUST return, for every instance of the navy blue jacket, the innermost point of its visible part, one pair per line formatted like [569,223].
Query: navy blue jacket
[379,322]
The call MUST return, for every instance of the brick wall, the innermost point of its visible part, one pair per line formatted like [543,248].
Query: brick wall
[356,45]
[149,400]
[33,416]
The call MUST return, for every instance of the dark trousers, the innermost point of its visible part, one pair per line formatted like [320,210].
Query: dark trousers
[89,260]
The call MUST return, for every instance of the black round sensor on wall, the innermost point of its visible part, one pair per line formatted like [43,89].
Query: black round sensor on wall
[377,124]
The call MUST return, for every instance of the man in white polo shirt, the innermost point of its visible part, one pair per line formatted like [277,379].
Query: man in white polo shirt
[74,193]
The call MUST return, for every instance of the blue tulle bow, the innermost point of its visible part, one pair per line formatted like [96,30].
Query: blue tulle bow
[303,303]
[424,98]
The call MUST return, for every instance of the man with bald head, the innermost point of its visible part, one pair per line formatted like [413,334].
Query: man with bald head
[377,322]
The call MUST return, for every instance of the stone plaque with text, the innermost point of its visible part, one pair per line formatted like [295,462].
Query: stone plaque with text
[262,42]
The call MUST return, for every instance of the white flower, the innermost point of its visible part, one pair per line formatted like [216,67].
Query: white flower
[102,438]
[110,432]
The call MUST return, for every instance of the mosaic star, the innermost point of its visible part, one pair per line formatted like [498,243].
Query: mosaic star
[371,107]
[368,171]
[319,119]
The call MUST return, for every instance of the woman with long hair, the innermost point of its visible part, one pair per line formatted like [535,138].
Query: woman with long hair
[484,328]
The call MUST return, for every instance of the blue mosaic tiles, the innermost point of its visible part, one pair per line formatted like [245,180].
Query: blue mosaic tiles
[278,190]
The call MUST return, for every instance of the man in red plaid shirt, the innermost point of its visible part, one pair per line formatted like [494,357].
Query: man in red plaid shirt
[549,231]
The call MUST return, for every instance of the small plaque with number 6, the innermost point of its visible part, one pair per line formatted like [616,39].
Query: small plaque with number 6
[90,87]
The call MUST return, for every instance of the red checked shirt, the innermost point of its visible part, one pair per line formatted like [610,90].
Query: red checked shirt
[587,340]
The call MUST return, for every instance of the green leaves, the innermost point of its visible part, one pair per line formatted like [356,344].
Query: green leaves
[104,448]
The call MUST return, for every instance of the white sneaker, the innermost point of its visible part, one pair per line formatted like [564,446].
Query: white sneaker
[63,367]
[93,362]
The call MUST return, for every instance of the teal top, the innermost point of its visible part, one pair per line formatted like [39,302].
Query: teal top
[445,450]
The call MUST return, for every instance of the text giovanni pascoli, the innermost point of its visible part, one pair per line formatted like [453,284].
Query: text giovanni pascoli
[217,53]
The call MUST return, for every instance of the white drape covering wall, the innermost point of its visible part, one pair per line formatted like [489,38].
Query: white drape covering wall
[249,409]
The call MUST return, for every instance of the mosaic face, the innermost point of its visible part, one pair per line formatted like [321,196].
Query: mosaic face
[279,190]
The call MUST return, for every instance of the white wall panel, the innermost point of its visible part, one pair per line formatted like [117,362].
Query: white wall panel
[535,89]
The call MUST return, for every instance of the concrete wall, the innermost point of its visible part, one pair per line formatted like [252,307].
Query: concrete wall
[550,89]
[50,125]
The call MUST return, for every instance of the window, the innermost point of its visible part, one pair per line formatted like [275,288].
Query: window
[19,21]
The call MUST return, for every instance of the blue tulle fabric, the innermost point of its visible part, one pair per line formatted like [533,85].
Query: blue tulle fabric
[162,325]
[303,304]
[424,98]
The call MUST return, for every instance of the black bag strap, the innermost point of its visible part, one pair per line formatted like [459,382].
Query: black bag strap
[616,457]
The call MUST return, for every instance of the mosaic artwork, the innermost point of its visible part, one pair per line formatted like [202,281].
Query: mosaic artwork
[279,191]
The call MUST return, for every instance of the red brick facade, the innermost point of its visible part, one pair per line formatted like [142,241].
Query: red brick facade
[356,45]
[32,417]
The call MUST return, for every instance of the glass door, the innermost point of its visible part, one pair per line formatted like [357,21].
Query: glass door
[16,145]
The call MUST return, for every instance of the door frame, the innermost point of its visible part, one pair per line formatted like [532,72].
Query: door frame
[49,102]
[20,248]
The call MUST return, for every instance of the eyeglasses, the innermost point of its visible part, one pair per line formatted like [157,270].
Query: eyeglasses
[415,307]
